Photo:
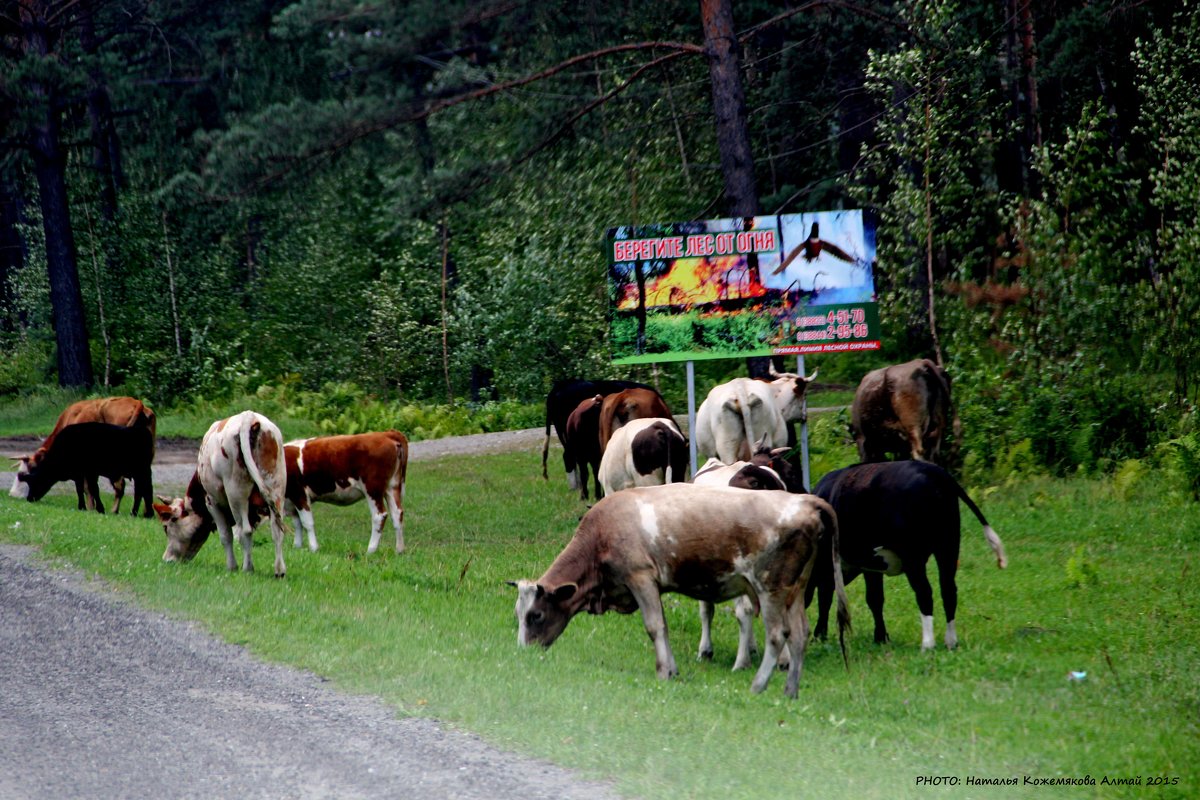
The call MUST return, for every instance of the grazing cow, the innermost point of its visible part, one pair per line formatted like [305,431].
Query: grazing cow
[618,409]
[644,452]
[738,415]
[565,397]
[766,470]
[343,470]
[708,543]
[893,516]
[902,409]
[582,439]
[86,450]
[240,457]
[125,411]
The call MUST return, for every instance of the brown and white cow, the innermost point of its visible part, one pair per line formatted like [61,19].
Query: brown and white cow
[619,408]
[343,470]
[742,413]
[708,543]
[644,452]
[127,412]
[240,468]
[904,410]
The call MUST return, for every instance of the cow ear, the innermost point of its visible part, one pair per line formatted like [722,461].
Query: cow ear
[163,511]
[563,593]
[511,583]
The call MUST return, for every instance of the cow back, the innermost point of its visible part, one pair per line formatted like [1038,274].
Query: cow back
[629,404]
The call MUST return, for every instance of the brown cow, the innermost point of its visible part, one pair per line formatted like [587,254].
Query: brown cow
[565,397]
[343,470]
[709,543]
[619,408]
[581,439]
[124,411]
[903,409]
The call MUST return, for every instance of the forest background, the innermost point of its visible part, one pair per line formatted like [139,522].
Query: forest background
[354,207]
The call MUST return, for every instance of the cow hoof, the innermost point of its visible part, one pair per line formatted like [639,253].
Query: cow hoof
[705,655]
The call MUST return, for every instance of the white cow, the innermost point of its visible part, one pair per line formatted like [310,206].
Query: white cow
[239,470]
[744,413]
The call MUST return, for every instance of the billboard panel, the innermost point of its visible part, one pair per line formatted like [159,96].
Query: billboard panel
[734,287]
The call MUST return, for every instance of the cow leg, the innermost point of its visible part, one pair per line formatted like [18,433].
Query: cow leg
[143,491]
[797,644]
[743,609]
[875,603]
[919,582]
[378,515]
[302,521]
[947,564]
[645,591]
[118,485]
[776,636]
[579,480]
[706,617]
[278,533]
[83,498]
[92,486]
[822,585]
[225,532]
[395,501]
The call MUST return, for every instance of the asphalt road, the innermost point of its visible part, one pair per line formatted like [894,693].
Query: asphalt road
[101,699]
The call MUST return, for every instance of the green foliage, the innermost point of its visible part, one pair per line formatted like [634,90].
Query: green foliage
[1182,458]
[1081,570]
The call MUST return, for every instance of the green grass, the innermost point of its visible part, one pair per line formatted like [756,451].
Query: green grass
[1111,588]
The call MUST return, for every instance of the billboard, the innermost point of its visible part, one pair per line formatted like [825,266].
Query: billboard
[735,287]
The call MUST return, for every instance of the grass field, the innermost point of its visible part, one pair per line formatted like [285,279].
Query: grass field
[1097,585]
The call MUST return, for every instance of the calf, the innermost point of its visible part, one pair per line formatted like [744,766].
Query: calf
[85,451]
[343,470]
[893,516]
[240,457]
[124,411]
[766,470]
[645,452]
[708,543]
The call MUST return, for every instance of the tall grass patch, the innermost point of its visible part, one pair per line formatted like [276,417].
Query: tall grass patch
[432,633]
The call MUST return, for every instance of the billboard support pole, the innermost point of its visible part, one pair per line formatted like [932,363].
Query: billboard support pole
[804,475]
[691,391]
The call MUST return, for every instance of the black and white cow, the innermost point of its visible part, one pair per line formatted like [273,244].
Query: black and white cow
[892,516]
[644,452]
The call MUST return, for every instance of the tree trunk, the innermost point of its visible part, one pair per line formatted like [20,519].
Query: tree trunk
[729,107]
[12,252]
[50,164]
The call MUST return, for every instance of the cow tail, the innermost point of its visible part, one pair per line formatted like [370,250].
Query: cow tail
[247,435]
[829,518]
[992,539]
[747,425]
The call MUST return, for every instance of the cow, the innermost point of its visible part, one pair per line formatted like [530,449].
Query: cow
[705,542]
[893,516]
[766,470]
[644,452]
[240,457]
[343,470]
[125,411]
[582,439]
[737,415]
[628,404]
[564,397]
[902,410]
[84,451]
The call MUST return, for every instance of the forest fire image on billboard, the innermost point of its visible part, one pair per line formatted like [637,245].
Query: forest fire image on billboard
[736,287]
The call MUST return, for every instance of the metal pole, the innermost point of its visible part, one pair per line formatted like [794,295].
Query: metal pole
[691,390]
[803,430]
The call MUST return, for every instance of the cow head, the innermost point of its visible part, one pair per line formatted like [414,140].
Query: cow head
[789,393]
[20,488]
[186,529]
[542,614]
[32,481]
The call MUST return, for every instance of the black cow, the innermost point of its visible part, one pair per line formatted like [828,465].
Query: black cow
[892,516]
[87,450]
[565,397]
